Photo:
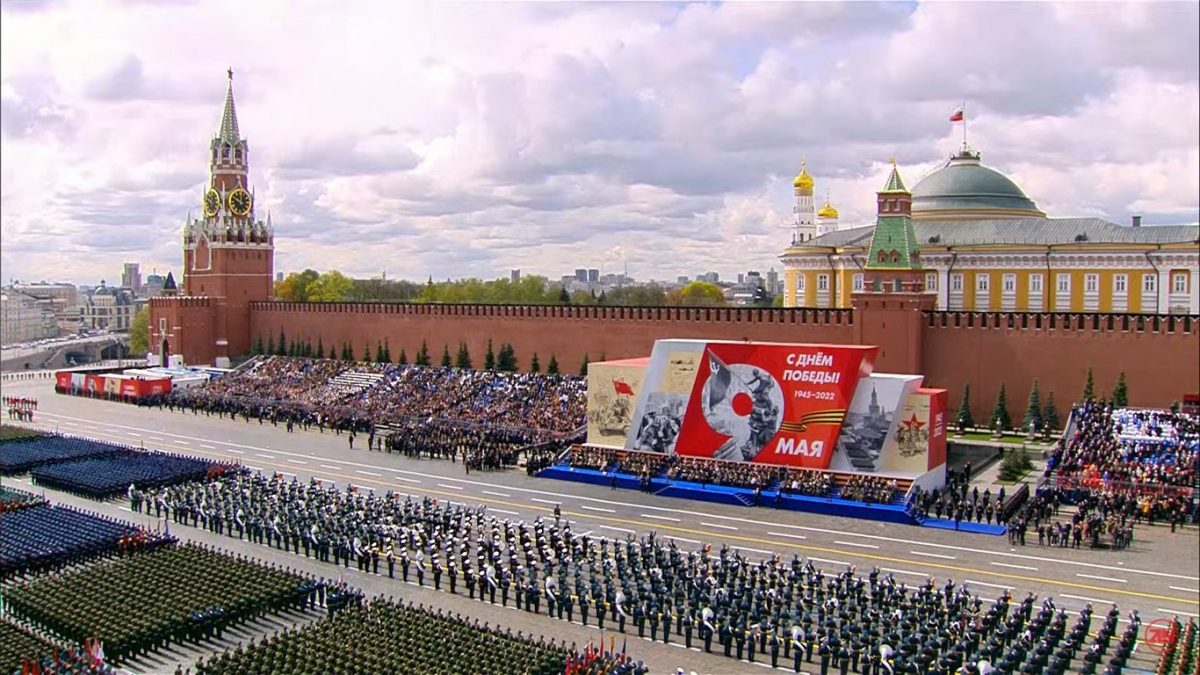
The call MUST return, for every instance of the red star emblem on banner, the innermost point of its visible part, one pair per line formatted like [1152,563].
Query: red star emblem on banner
[913,422]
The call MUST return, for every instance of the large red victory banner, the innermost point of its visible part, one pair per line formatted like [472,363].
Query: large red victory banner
[771,403]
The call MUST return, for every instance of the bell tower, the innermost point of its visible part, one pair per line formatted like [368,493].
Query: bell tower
[228,253]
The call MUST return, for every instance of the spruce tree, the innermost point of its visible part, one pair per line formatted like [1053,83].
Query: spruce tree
[387,351]
[320,347]
[489,358]
[584,365]
[423,355]
[463,360]
[534,366]
[1089,393]
[403,360]
[446,356]
[507,359]
[291,350]
[965,420]
[1033,411]
[564,298]
[282,344]
[366,352]
[378,351]
[347,355]
[1120,395]
[1050,414]
[552,366]
[270,346]
[258,345]
[1000,419]
[332,353]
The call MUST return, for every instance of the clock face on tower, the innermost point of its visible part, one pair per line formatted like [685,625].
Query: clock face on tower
[212,202]
[239,202]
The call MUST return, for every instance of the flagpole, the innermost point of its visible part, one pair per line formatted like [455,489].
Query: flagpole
[964,125]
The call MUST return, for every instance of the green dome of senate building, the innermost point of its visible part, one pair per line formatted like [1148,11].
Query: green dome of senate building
[964,189]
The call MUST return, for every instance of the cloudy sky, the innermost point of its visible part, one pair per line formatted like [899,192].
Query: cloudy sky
[463,139]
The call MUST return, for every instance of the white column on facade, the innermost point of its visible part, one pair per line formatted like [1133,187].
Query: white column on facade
[1164,287]
[1194,290]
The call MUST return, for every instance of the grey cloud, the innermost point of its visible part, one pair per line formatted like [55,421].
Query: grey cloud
[128,81]
[35,108]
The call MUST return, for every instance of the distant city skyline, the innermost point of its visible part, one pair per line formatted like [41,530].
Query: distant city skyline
[548,137]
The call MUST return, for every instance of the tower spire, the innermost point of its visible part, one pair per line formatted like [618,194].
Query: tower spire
[229,126]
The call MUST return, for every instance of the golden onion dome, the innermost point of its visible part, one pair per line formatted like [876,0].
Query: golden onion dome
[827,211]
[803,179]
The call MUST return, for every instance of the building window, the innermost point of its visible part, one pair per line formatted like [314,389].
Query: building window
[1010,283]
[983,282]
[1091,283]
[956,282]
[1064,283]
[1035,283]
[822,282]
[1149,283]
[1120,283]
[931,281]
[1179,282]
[858,282]
[800,283]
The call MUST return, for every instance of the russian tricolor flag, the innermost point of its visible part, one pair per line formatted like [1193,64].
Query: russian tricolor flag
[958,115]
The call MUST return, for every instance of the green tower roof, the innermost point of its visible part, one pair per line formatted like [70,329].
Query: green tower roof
[895,183]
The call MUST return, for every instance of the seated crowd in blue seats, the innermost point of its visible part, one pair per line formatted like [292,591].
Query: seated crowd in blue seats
[22,455]
[49,537]
[111,476]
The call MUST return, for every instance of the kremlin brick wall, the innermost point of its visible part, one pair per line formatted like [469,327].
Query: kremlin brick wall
[1160,356]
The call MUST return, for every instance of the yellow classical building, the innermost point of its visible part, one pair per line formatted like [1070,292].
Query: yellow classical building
[987,247]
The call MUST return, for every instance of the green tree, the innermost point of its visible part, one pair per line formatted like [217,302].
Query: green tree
[564,298]
[534,365]
[291,349]
[281,346]
[320,347]
[1120,395]
[1015,465]
[332,286]
[463,360]
[1089,393]
[294,288]
[602,298]
[506,361]
[698,294]
[489,357]
[403,360]
[366,352]
[583,367]
[139,332]
[1033,411]
[347,352]
[379,352]
[258,345]
[423,355]
[332,353]
[446,355]
[552,366]
[270,346]
[965,420]
[1000,419]
[1050,414]
[308,348]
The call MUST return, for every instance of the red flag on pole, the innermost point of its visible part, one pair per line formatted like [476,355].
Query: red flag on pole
[622,387]
[958,115]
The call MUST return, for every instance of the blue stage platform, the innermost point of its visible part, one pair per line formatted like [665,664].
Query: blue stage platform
[733,496]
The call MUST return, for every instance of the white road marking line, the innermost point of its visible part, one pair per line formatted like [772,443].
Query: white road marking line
[236,452]
[597,508]
[1176,611]
[616,529]
[330,466]
[934,555]
[125,508]
[1016,567]
[1085,599]
[831,562]
[651,515]
[984,583]
[511,513]
[206,445]
[753,550]
[690,541]
[254,468]
[285,473]
[443,485]
[723,527]
[1185,590]
[183,443]
[132,433]
[70,424]
[264,456]
[789,536]
[362,487]
[297,461]
[544,501]
[908,572]
[408,480]
[367,473]
[854,543]
[1093,576]
[496,494]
